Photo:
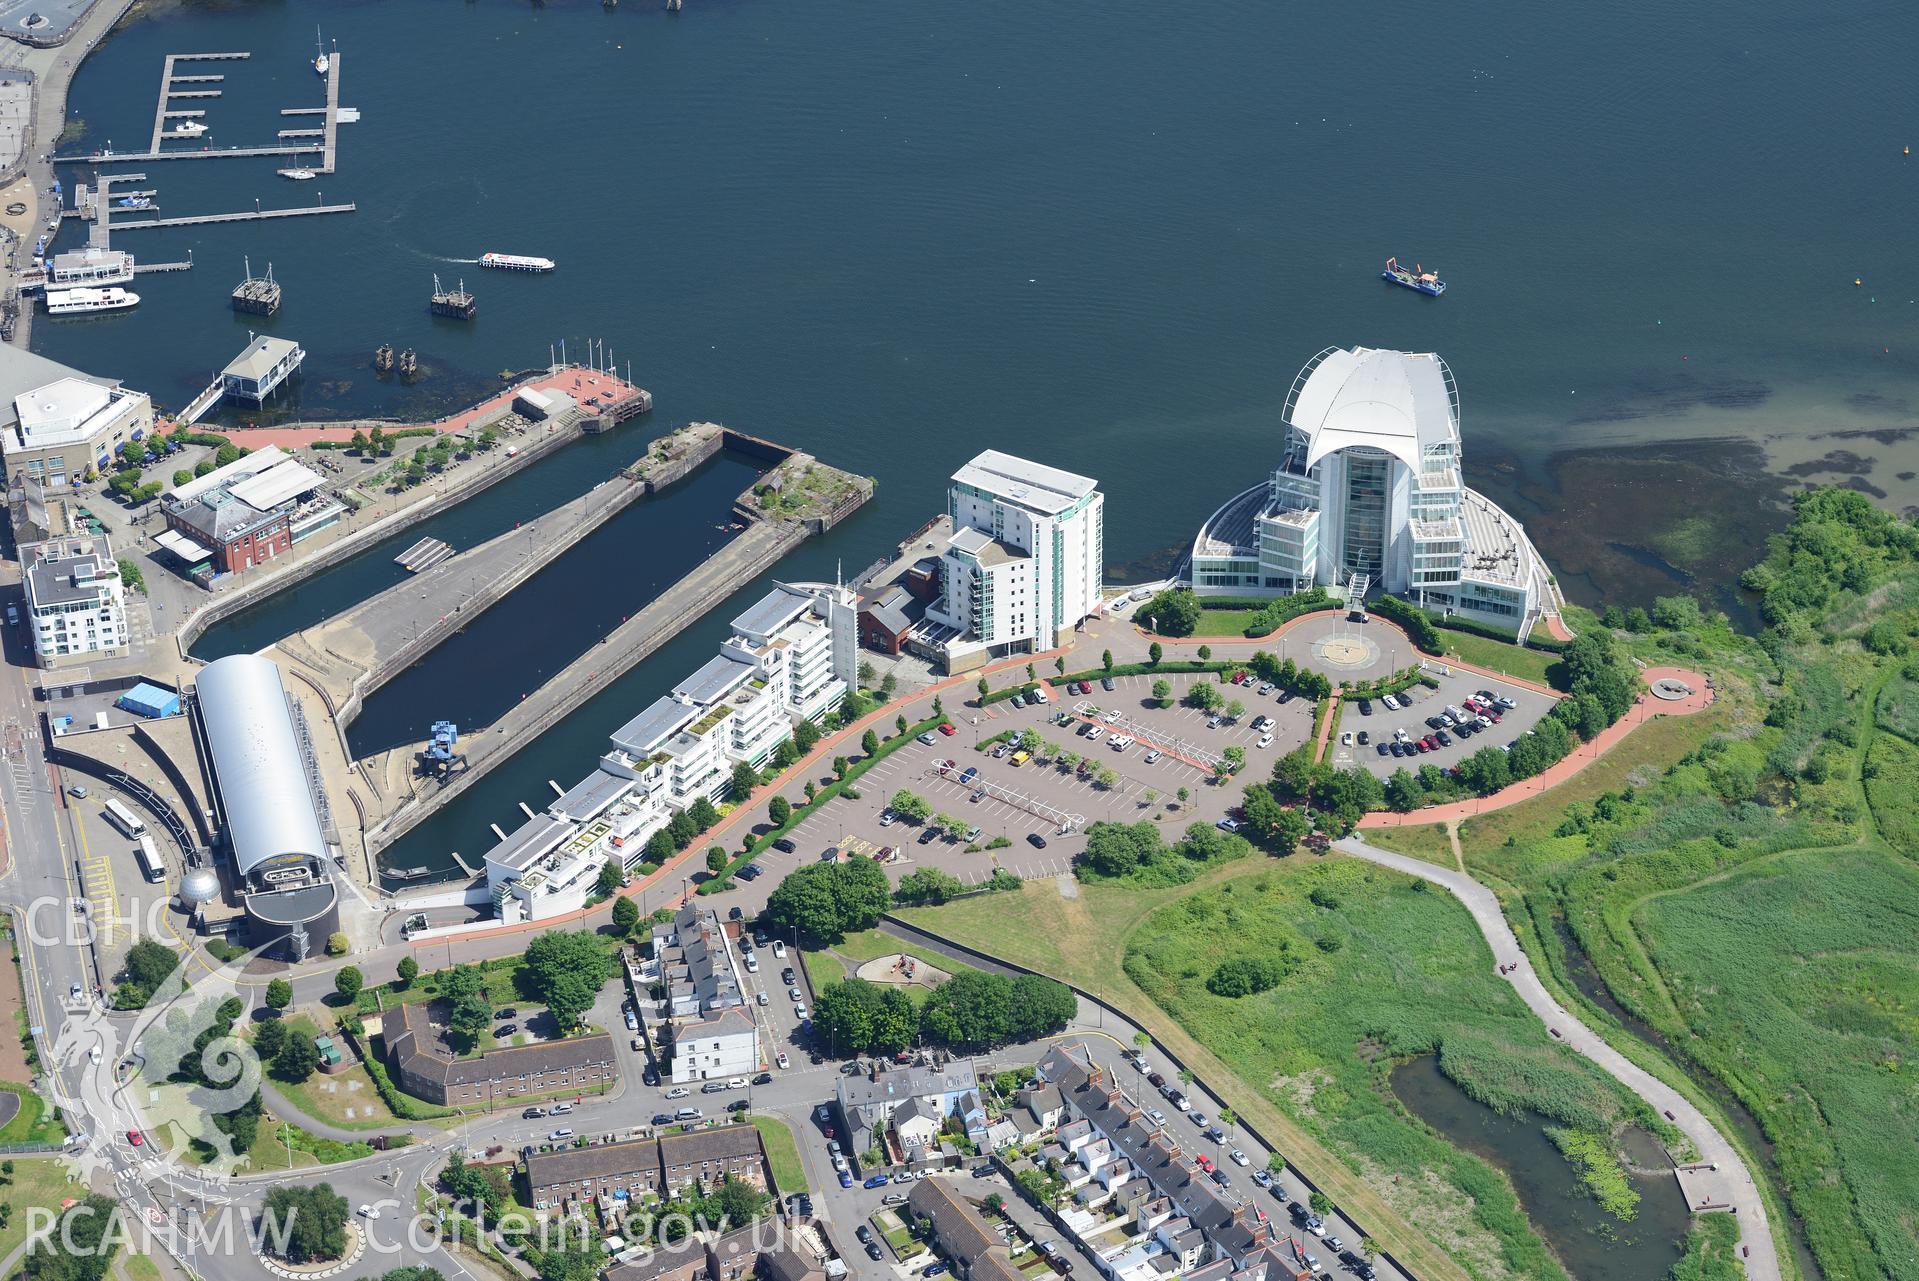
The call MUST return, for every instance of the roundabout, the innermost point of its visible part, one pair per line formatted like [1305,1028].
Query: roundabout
[355,1247]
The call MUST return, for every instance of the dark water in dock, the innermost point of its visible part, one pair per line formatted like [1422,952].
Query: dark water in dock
[559,613]
[1109,238]
[1592,1244]
[544,485]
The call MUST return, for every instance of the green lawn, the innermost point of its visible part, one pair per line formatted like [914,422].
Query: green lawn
[1516,844]
[1412,968]
[312,1096]
[823,967]
[502,974]
[1411,976]
[1513,660]
[138,1267]
[37,1181]
[1426,842]
[782,1153]
[33,1123]
[1800,976]
[1223,622]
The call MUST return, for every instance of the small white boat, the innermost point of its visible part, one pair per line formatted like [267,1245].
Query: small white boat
[189,129]
[298,175]
[322,63]
[67,302]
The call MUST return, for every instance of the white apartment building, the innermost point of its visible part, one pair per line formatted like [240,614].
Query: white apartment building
[76,604]
[1024,564]
[791,657]
[1368,493]
[61,429]
[702,1024]
[718,1048]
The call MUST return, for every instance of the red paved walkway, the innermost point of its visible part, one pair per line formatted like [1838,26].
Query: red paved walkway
[577,383]
[1646,708]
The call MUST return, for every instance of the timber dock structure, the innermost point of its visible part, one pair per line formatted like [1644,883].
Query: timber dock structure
[456,303]
[257,295]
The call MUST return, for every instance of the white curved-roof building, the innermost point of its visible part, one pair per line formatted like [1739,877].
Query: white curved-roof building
[1395,402]
[269,816]
[1368,494]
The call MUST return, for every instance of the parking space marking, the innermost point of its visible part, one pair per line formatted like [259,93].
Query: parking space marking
[96,873]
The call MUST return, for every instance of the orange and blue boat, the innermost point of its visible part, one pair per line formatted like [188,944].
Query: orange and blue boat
[1418,278]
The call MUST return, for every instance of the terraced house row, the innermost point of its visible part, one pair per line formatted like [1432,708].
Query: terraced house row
[1123,1169]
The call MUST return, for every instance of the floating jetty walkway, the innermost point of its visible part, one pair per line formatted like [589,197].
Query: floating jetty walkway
[352,654]
[249,215]
[327,144]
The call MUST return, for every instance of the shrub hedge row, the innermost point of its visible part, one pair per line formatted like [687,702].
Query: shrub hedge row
[1276,613]
[1417,623]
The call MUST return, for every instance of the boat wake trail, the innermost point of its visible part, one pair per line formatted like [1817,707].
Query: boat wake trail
[459,260]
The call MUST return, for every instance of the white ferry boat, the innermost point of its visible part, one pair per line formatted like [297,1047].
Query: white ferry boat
[67,302]
[516,262]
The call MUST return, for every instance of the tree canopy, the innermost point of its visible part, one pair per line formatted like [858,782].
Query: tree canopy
[826,901]
[564,970]
[1174,612]
[305,1223]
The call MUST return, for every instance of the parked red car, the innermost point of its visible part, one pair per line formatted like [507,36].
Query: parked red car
[946,728]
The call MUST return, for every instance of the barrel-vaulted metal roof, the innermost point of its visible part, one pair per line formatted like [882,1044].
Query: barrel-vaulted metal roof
[1396,401]
[256,759]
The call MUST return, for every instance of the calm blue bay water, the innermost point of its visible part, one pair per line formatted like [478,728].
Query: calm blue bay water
[1107,237]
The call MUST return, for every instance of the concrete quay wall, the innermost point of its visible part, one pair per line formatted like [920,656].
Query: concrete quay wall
[257,588]
[552,535]
[716,578]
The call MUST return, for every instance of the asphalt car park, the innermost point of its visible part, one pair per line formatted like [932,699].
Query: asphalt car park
[1419,703]
[1001,799]
[1291,721]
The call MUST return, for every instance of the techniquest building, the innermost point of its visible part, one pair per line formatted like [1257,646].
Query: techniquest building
[1367,494]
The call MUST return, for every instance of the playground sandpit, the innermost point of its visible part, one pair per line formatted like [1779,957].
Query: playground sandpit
[901,970]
